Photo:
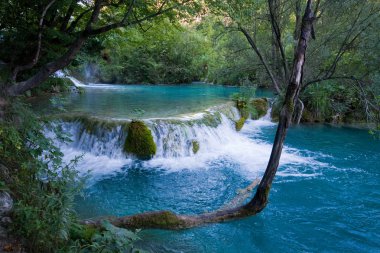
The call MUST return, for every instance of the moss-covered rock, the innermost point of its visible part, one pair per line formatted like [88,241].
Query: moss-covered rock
[195,145]
[260,106]
[139,141]
[240,123]
[242,107]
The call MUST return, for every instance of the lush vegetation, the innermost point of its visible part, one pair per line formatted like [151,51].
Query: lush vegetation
[225,42]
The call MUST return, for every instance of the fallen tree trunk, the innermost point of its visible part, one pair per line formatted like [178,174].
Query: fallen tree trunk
[170,220]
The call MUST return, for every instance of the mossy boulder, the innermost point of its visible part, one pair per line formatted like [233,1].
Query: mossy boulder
[195,145]
[260,106]
[139,141]
[240,123]
[242,107]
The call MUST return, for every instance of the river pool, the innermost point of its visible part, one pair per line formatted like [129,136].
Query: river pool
[325,197]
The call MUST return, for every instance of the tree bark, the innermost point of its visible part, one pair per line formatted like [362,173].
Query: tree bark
[170,220]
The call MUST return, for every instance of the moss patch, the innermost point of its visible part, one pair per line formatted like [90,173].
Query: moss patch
[260,106]
[139,141]
[240,123]
[195,146]
[161,219]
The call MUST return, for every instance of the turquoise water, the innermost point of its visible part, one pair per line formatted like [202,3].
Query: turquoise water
[325,198]
[142,101]
[329,205]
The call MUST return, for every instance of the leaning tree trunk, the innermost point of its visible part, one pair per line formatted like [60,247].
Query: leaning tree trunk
[170,220]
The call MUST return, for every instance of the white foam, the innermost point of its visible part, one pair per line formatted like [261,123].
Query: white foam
[97,165]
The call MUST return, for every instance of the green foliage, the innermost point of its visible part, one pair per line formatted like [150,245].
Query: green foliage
[243,100]
[43,185]
[166,52]
[140,141]
[333,102]
[107,239]
[53,85]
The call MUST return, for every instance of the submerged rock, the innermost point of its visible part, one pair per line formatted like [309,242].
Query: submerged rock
[139,141]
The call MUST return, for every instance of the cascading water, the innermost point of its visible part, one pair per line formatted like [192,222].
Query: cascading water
[213,130]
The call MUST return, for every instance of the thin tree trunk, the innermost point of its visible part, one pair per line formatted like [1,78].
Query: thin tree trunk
[170,220]
[263,61]
[298,112]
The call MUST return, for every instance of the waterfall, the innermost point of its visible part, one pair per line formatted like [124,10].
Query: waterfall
[101,141]
[173,136]
[75,81]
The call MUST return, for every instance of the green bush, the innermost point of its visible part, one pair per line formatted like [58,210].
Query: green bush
[108,238]
[44,187]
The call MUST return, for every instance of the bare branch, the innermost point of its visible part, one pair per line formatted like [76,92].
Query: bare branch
[124,21]
[74,23]
[276,29]
[257,51]
[68,15]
